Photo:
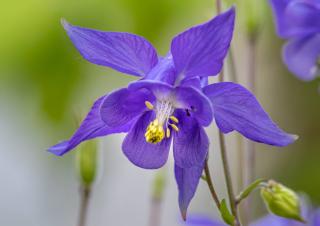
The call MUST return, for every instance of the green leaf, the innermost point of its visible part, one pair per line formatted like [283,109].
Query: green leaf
[246,192]
[203,177]
[225,213]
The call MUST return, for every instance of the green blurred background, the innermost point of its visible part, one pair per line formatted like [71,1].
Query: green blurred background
[45,84]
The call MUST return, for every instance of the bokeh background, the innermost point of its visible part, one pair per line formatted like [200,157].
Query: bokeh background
[45,85]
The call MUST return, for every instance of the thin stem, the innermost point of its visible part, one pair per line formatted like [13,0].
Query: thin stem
[252,63]
[85,198]
[224,158]
[218,5]
[228,179]
[155,212]
[233,70]
[250,157]
[210,184]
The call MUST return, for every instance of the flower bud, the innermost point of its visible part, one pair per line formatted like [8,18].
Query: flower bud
[86,161]
[281,200]
[158,184]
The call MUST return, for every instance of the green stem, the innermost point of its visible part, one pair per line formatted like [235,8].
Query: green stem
[210,184]
[218,5]
[85,198]
[233,70]
[228,179]
[251,152]
[155,212]
[224,158]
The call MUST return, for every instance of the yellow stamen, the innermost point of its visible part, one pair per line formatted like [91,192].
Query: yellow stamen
[149,105]
[174,127]
[173,118]
[168,133]
[155,132]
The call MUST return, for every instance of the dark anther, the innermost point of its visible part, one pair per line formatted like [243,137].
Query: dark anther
[188,113]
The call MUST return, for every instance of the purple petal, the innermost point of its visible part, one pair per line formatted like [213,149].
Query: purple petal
[142,153]
[274,220]
[164,71]
[235,108]
[202,221]
[200,51]
[301,56]
[296,17]
[123,52]
[316,218]
[187,180]
[159,89]
[91,127]
[190,143]
[123,105]
[198,104]
[195,82]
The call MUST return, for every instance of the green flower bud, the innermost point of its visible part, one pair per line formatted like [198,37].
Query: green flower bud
[86,161]
[281,201]
[158,184]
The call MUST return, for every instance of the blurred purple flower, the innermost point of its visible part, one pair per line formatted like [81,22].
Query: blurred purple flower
[312,218]
[172,100]
[194,220]
[299,21]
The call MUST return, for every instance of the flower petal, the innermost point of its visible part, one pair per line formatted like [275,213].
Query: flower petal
[164,71]
[187,180]
[301,56]
[200,50]
[195,82]
[202,221]
[127,53]
[159,89]
[235,108]
[190,143]
[91,127]
[296,17]
[197,104]
[123,105]
[275,220]
[142,153]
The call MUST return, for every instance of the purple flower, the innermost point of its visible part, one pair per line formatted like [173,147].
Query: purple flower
[172,102]
[194,220]
[312,218]
[299,21]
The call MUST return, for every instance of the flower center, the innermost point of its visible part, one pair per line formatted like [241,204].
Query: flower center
[158,129]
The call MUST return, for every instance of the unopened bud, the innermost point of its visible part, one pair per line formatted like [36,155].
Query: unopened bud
[281,200]
[87,162]
[158,184]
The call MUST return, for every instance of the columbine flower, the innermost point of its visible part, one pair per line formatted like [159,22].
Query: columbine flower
[172,101]
[299,21]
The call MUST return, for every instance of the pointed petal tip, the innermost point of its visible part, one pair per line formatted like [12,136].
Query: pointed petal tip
[59,149]
[64,23]
[184,215]
[294,137]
